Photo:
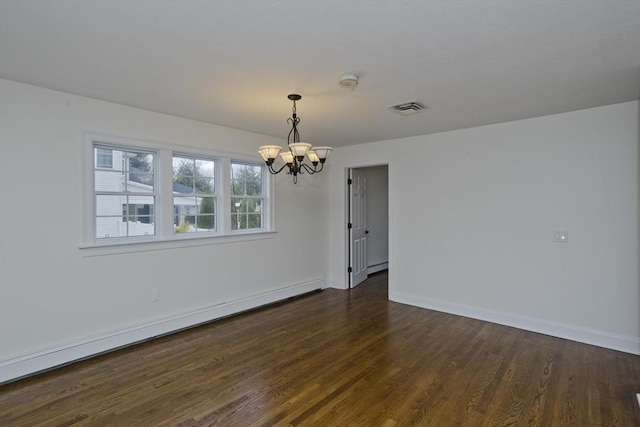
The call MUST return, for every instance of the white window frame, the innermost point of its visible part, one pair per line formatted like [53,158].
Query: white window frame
[165,236]
[265,211]
[97,145]
[216,193]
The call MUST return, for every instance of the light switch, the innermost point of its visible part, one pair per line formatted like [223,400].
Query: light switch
[561,236]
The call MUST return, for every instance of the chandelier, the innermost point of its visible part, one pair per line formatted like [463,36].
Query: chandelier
[295,155]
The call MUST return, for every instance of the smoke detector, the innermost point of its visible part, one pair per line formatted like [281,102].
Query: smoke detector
[348,81]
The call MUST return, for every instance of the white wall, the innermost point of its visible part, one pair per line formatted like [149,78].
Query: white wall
[473,211]
[477,240]
[54,299]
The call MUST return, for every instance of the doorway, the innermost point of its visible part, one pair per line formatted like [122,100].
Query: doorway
[367,222]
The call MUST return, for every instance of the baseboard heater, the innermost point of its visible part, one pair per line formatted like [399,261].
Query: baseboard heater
[45,360]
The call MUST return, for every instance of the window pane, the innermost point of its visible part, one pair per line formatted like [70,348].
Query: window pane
[104,158]
[242,221]
[193,176]
[107,227]
[246,207]
[110,205]
[183,184]
[237,179]
[254,221]
[140,162]
[254,180]
[140,182]
[121,216]
[237,205]
[124,192]
[182,165]
[129,170]
[184,213]
[204,185]
[194,214]
[109,180]
[205,168]
[126,198]
[246,213]
[206,214]
[124,160]
[140,229]
[237,187]
[246,179]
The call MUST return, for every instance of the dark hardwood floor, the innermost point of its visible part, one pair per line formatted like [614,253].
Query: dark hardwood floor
[338,358]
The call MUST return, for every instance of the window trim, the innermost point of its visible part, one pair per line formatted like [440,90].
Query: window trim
[165,237]
[265,208]
[155,193]
[216,192]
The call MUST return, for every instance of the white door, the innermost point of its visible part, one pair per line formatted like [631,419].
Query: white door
[358,229]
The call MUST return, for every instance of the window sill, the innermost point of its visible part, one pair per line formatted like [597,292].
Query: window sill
[158,244]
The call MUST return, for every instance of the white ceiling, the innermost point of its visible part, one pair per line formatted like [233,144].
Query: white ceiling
[233,63]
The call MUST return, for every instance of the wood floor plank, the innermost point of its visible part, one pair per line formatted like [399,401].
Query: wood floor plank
[343,358]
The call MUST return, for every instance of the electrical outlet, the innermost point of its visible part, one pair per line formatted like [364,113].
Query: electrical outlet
[561,236]
[155,295]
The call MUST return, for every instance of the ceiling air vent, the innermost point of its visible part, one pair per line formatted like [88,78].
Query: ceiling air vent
[408,108]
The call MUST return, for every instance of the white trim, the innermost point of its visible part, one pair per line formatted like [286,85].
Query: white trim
[377,267]
[165,237]
[18,367]
[604,339]
[154,145]
[345,217]
[123,247]
[336,285]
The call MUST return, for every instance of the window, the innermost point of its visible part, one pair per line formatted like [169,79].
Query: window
[246,196]
[104,158]
[141,213]
[194,194]
[141,192]
[125,196]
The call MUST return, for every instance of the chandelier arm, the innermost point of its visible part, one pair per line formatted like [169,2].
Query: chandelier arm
[275,172]
[308,168]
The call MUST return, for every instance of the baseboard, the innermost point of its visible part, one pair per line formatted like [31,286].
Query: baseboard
[29,364]
[377,267]
[561,330]
[335,284]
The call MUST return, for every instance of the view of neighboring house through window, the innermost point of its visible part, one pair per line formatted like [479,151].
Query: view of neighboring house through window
[194,194]
[247,196]
[147,192]
[104,158]
[125,192]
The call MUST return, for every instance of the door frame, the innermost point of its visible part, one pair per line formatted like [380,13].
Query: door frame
[346,216]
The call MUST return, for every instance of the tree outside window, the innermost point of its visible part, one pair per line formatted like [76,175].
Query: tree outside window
[194,194]
[247,197]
